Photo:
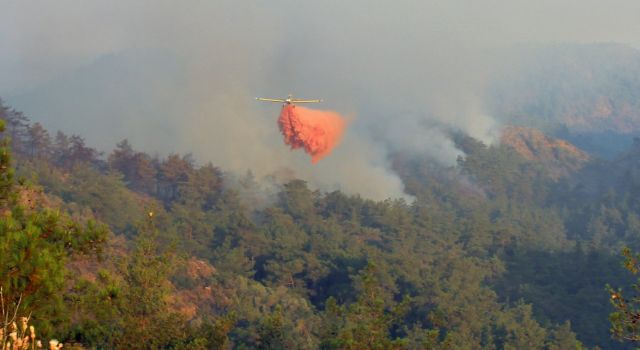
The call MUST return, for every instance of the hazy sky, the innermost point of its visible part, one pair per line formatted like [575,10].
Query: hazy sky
[180,76]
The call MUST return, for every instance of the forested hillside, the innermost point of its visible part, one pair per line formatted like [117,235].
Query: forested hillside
[509,249]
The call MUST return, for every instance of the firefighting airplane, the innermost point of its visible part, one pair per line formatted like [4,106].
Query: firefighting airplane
[287,101]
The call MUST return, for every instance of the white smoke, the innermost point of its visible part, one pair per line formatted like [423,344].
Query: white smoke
[182,77]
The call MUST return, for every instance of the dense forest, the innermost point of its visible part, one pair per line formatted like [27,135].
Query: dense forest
[505,250]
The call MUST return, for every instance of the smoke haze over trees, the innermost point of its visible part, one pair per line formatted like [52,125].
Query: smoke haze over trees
[406,75]
[480,197]
[511,247]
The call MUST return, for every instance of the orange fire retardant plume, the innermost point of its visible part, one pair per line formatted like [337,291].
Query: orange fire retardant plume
[317,132]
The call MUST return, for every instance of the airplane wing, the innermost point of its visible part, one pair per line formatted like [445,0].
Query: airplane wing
[270,99]
[305,101]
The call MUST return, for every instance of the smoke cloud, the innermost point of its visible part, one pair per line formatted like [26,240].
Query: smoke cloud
[181,77]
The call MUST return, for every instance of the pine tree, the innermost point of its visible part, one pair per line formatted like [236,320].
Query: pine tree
[625,320]
[61,149]
[17,125]
[365,324]
[146,320]
[39,141]
[35,244]
[6,172]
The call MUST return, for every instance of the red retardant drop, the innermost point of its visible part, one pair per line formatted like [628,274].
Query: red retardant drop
[317,132]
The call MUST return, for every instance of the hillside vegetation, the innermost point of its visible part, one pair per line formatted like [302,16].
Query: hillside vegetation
[510,249]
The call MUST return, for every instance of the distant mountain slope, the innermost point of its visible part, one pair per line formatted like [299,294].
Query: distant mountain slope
[588,94]
[558,156]
[586,88]
[620,175]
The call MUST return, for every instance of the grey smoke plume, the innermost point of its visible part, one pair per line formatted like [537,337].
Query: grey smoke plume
[182,77]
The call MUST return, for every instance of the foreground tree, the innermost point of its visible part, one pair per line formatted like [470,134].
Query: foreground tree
[625,320]
[35,244]
[147,319]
